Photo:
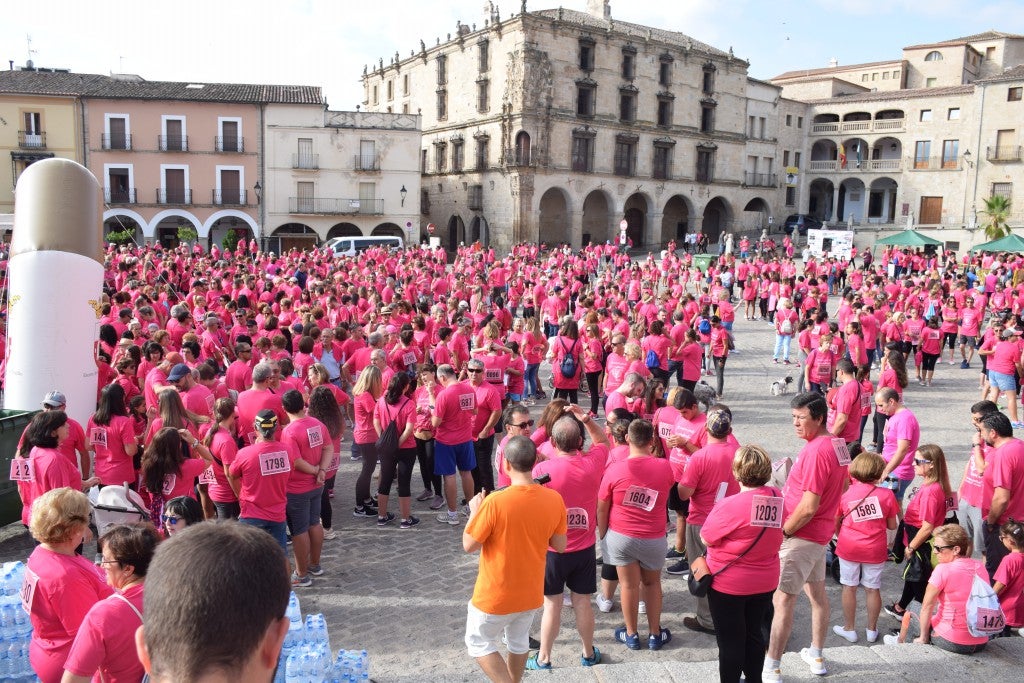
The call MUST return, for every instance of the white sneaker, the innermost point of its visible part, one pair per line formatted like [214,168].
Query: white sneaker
[771,675]
[850,636]
[872,636]
[890,639]
[603,604]
[817,664]
[642,609]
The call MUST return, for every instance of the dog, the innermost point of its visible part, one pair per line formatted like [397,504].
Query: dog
[705,394]
[781,385]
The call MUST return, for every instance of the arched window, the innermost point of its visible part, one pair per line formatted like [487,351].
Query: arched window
[933,56]
[523,148]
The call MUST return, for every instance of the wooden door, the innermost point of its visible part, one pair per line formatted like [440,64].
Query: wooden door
[931,211]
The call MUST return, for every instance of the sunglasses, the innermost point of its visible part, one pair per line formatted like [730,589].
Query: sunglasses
[940,548]
[170,519]
[921,461]
[522,425]
[474,369]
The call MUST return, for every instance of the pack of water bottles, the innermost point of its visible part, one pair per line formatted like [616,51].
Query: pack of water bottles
[306,655]
[15,627]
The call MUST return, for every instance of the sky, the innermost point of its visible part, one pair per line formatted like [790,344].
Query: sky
[327,42]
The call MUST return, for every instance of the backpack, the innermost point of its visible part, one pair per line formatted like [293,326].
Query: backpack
[984,615]
[787,326]
[387,442]
[704,327]
[568,364]
[798,296]
[651,361]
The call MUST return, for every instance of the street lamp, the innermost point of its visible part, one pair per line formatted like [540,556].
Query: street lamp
[258,189]
[403,192]
[967,158]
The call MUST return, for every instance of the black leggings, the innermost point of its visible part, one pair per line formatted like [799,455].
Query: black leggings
[368,451]
[326,511]
[595,390]
[914,590]
[425,456]
[569,395]
[739,630]
[928,361]
[400,463]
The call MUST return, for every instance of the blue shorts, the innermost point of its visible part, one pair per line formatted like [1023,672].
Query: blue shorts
[1001,381]
[304,510]
[279,530]
[448,458]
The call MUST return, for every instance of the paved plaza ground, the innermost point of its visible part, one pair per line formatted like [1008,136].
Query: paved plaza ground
[402,595]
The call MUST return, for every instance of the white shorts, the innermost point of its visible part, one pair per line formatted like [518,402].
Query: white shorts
[860,574]
[484,631]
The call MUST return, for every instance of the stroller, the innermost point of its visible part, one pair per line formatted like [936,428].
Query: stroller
[116,505]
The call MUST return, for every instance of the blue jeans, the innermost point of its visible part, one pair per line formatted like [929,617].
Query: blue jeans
[276,529]
[782,343]
[530,379]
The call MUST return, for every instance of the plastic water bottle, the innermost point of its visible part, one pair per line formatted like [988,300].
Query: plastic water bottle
[292,671]
[294,612]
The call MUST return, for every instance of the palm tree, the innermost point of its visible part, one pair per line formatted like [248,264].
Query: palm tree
[997,209]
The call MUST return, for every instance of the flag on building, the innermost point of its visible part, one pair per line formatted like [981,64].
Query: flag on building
[859,159]
[842,156]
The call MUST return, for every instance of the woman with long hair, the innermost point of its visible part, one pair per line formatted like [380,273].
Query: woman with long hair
[110,433]
[167,470]
[324,407]
[425,397]
[396,406]
[533,353]
[926,511]
[365,393]
[171,412]
[220,440]
[564,345]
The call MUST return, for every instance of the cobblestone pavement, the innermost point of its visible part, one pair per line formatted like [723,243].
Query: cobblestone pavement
[402,594]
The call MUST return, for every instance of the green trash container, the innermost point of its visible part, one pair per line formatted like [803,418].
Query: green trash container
[12,425]
[702,261]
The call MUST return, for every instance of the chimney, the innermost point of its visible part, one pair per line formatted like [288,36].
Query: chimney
[601,9]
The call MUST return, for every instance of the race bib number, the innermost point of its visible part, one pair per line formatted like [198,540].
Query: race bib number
[169,481]
[766,511]
[824,371]
[865,400]
[842,452]
[250,438]
[577,518]
[315,437]
[98,436]
[335,462]
[23,469]
[665,429]
[952,501]
[868,510]
[207,477]
[640,497]
[274,463]
[28,590]
[409,358]
[467,402]
[492,375]
[989,620]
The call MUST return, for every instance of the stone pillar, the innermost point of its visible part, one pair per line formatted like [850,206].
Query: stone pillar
[652,231]
[575,220]
[834,218]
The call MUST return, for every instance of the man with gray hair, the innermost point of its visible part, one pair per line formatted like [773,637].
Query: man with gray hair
[361,358]
[260,397]
[454,414]
[632,387]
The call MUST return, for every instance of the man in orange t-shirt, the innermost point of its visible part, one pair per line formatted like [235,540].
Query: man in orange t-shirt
[513,529]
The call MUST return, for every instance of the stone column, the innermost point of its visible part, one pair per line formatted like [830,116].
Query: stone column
[575,220]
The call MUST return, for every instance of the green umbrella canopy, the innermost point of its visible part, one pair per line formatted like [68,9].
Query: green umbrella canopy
[1011,242]
[908,238]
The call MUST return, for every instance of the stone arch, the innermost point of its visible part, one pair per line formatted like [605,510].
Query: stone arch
[677,219]
[389,230]
[717,219]
[479,231]
[819,199]
[755,215]
[852,201]
[456,232]
[882,200]
[524,148]
[117,220]
[851,146]
[344,230]
[637,212]
[163,227]
[597,218]
[290,236]
[229,213]
[553,222]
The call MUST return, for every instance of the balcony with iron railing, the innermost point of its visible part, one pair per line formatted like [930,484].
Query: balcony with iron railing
[366,162]
[852,166]
[335,206]
[118,195]
[751,179]
[230,143]
[174,196]
[309,162]
[172,143]
[27,140]
[873,126]
[109,141]
[229,197]
[1003,153]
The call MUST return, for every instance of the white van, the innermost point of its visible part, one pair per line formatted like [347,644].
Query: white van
[350,246]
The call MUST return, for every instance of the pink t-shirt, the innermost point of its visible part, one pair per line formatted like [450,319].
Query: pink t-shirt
[106,640]
[456,408]
[954,579]
[577,477]
[818,469]
[709,474]
[901,425]
[693,431]
[1011,574]
[113,465]
[224,448]
[183,483]
[615,368]
[402,413]
[488,400]
[58,592]
[972,485]
[847,402]
[308,436]
[1005,470]
[363,405]
[264,468]
[728,531]
[501,480]
[927,504]
[45,469]
[637,489]
[865,509]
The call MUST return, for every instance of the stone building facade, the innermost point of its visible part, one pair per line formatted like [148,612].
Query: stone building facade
[560,126]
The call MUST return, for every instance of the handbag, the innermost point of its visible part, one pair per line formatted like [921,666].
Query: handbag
[699,587]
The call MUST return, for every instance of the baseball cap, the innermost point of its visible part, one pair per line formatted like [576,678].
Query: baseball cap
[719,422]
[1010,332]
[177,372]
[54,399]
[266,420]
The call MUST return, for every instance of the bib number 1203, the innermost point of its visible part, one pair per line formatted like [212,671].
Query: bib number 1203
[766,511]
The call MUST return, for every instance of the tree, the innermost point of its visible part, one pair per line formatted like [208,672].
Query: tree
[230,240]
[120,237]
[997,210]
